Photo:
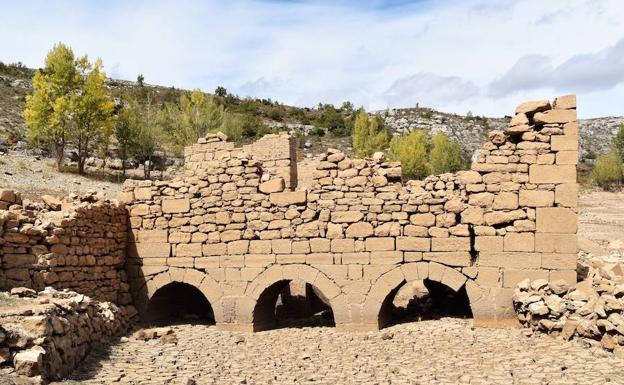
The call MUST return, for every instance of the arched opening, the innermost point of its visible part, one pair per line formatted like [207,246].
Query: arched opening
[423,300]
[178,302]
[292,303]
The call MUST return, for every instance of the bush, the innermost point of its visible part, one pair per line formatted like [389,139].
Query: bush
[411,150]
[446,155]
[618,142]
[608,172]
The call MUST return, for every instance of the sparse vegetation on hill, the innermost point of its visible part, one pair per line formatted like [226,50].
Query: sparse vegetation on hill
[608,172]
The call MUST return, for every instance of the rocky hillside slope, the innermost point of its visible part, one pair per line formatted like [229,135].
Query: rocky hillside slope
[471,132]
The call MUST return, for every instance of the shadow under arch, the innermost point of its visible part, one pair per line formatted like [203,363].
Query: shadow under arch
[263,293]
[196,279]
[178,302]
[378,303]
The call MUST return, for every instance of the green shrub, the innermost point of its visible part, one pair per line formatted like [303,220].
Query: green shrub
[608,172]
[411,150]
[618,142]
[446,155]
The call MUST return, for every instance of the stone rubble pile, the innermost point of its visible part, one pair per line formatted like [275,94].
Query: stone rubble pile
[592,310]
[44,335]
[81,247]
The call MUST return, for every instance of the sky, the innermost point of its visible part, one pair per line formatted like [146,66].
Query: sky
[482,56]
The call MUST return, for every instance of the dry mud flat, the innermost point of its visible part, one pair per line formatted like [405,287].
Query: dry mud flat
[446,351]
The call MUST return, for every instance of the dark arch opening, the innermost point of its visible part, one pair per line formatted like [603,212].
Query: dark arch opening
[178,302]
[423,300]
[292,303]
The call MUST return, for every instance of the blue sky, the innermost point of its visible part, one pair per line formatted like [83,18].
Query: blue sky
[483,56]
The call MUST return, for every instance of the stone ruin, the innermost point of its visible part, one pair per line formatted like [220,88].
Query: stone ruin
[237,229]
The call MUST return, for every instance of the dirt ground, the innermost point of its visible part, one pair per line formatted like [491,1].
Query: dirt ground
[601,218]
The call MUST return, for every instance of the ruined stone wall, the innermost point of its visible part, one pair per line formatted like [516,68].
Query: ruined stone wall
[358,233]
[82,247]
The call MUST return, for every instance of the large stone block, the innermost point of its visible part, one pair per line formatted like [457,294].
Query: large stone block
[555,243]
[380,244]
[547,173]
[536,198]
[149,250]
[450,244]
[489,243]
[288,198]
[171,206]
[567,195]
[556,220]
[564,142]
[451,258]
[511,277]
[188,250]
[386,257]
[555,116]
[519,242]
[413,244]
[346,216]
[559,261]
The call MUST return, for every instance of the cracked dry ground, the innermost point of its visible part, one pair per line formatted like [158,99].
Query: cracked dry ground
[446,351]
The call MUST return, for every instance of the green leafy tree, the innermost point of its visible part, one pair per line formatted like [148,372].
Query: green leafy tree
[368,135]
[127,129]
[220,91]
[140,80]
[191,118]
[412,151]
[148,135]
[446,155]
[48,111]
[92,111]
[618,142]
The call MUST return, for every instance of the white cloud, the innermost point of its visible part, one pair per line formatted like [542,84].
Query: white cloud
[305,52]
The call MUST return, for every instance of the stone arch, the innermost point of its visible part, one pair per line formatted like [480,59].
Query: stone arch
[384,288]
[254,309]
[195,278]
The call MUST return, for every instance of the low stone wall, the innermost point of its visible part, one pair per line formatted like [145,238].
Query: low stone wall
[591,310]
[76,244]
[44,336]
[231,228]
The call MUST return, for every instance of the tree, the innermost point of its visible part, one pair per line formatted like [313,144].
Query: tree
[368,135]
[445,155]
[148,135]
[127,130]
[140,80]
[193,116]
[92,110]
[618,142]
[220,91]
[48,111]
[411,150]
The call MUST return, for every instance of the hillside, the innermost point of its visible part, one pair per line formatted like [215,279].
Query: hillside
[470,131]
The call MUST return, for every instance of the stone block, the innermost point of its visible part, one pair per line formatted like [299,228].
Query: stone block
[567,195]
[281,246]
[510,260]
[214,249]
[359,230]
[519,242]
[342,245]
[555,243]
[287,198]
[361,258]
[149,250]
[511,277]
[450,244]
[556,220]
[489,277]
[320,245]
[232,261]
[564,142]
[505,201]
[301,247]
[489,243]
[451,258]
[290,258]
[272,186]
[555,116]
[546,173]
[569,276]
[259,260]
[533,106]
[536,198]
[320,259]
[413,244]
[172,206]
[426,219]
[386,257]
[472,215]
[238,247]
[260,246]
[346,216]
[567,157]
[188,250]
[159,236]
[565,102]
[558,261]
[380,244]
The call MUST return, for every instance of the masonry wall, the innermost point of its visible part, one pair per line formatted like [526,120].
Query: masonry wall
[79,245]
[231,228]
